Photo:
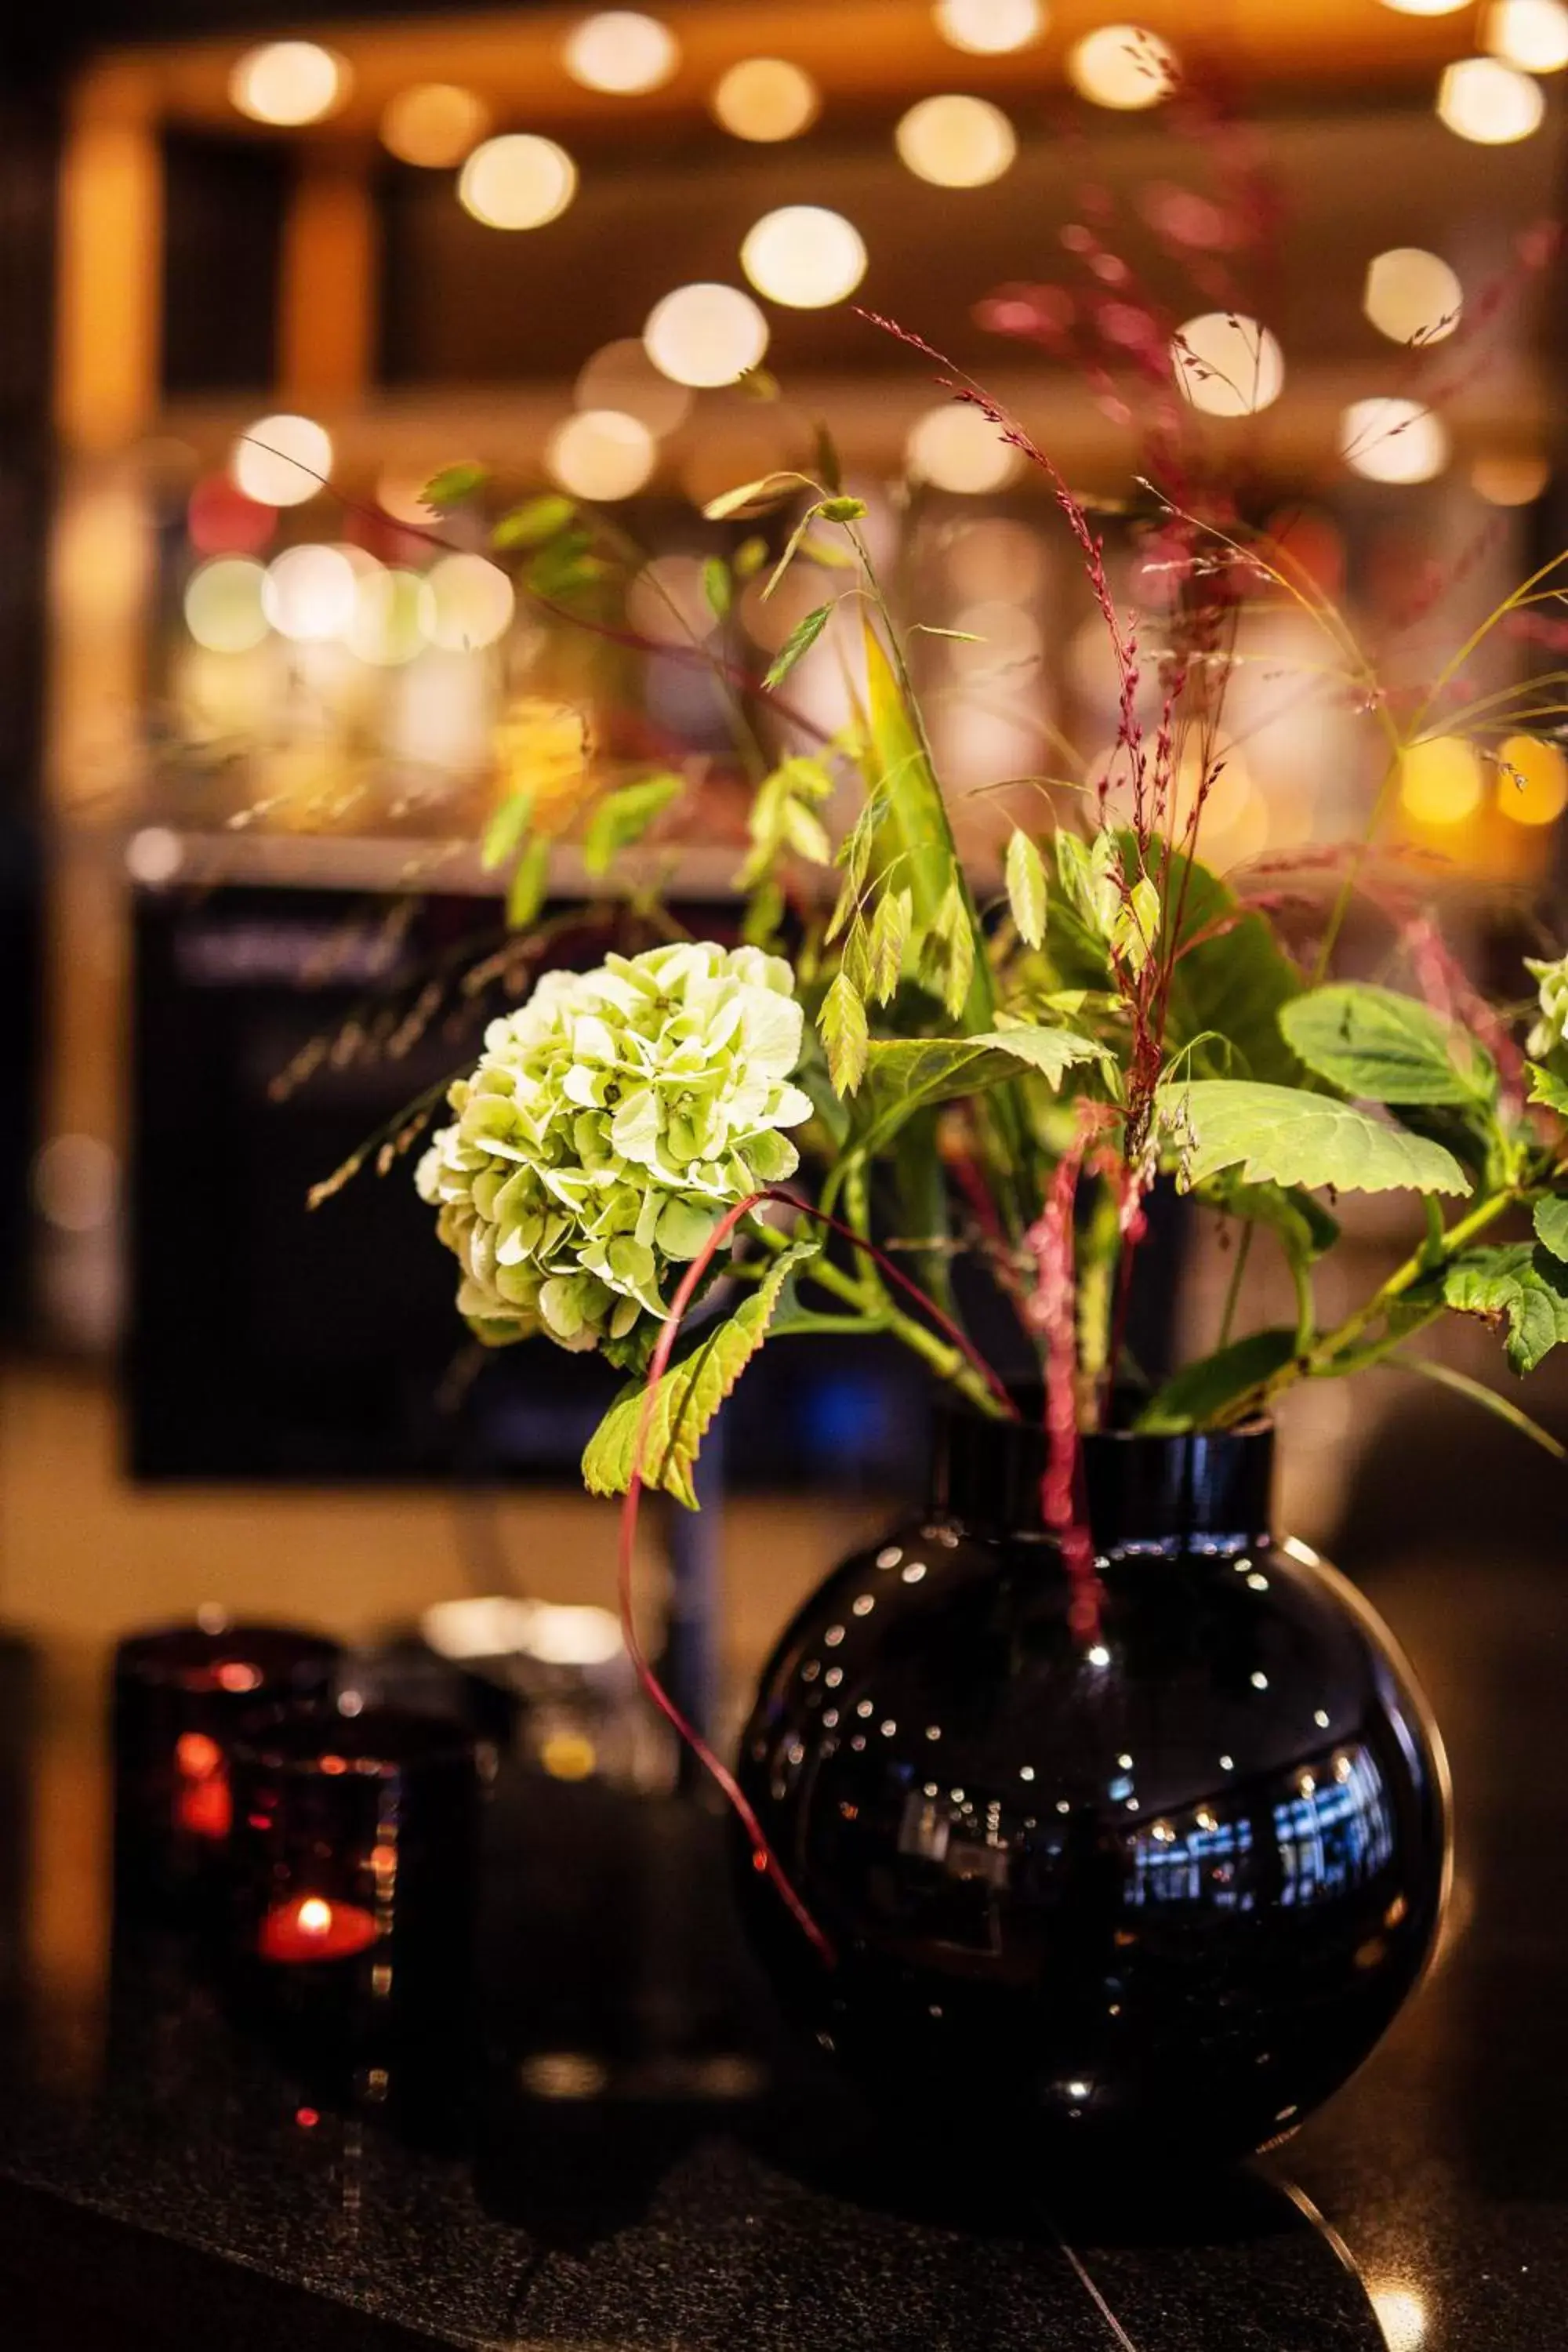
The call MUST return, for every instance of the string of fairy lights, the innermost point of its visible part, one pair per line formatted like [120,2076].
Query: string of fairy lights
[701,337]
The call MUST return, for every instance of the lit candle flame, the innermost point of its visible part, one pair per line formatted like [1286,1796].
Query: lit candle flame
[315,1916]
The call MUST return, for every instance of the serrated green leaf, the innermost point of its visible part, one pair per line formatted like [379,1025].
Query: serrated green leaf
[856,958]
[1283,1135]
[690,1394]
[532,524]
[1545,1087]
[1136,925]
[716,587]
[1385,1048]
[800,640]
[1522,1282]
[525,891]
[1552,1225]
[452,484]
[506,829]
[1200,1391]
[624,816]
[804,831]
[890,938]
[842,1023]
[753,498]
[1024,874]
[904,1074]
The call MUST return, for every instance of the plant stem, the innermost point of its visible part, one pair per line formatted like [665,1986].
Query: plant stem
[1233,1291]
[1329,1352]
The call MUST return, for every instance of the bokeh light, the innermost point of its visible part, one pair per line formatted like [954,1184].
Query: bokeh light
[990,28]
[955,142]
[1510,481]
[518,181]
[289,82]
[1122,65]
[621,51]
[766,99]
[705,335]
[281,461]
[621,375]
[954,448]
[1388,440]
[223,606]
[601,453]
[804,257]
[386,627]
[434,124]
[1493,104]
[1411,295]
[221,520]
[308,594]
[994,557]
[1440,781]
[1227,364]
[1531,34]
[1425,7]
[1532,780]
[465,602]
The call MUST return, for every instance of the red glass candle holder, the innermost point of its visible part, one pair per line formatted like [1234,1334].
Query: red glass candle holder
[354,1863]
[179,1699]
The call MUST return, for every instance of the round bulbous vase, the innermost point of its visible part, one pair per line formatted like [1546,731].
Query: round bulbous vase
[1154,1885]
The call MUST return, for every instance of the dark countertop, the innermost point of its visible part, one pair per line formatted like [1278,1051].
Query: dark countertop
[644,2162]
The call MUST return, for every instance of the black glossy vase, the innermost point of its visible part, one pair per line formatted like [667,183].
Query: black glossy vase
[1156,1887]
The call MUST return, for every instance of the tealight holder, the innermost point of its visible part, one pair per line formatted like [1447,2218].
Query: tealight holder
[354,1865]
[179,1695]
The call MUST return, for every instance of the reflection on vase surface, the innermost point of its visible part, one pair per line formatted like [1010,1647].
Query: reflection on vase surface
[1161,1886]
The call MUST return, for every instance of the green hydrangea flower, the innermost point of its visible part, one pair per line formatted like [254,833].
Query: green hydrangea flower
[1552,1029]
[610,1121]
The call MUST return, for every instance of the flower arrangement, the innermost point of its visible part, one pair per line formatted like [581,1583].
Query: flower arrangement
[999,1083]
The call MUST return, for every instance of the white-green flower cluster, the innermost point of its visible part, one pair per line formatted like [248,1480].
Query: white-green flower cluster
[610,1121]
[1551,983]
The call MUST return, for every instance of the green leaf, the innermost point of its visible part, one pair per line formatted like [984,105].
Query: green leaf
[506,829]
[948,953]
[750,558]
[842,1023]
[764,917]
[452,484]
[1525,1284]
[1200,1391]
[1551,1225]
[753,498]
[1024,873]
[1136,925]
[904,1074]
[624,816]
[525,892]
[690,1394]
[1376,1043]
[1544,1088]
[716,587]
[800,640]
[531,525]
[890,938]
[1283,1135]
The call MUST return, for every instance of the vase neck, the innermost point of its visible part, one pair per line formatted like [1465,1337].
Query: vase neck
[1137,1489]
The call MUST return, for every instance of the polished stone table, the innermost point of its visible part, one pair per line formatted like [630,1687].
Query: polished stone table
[624,2151]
